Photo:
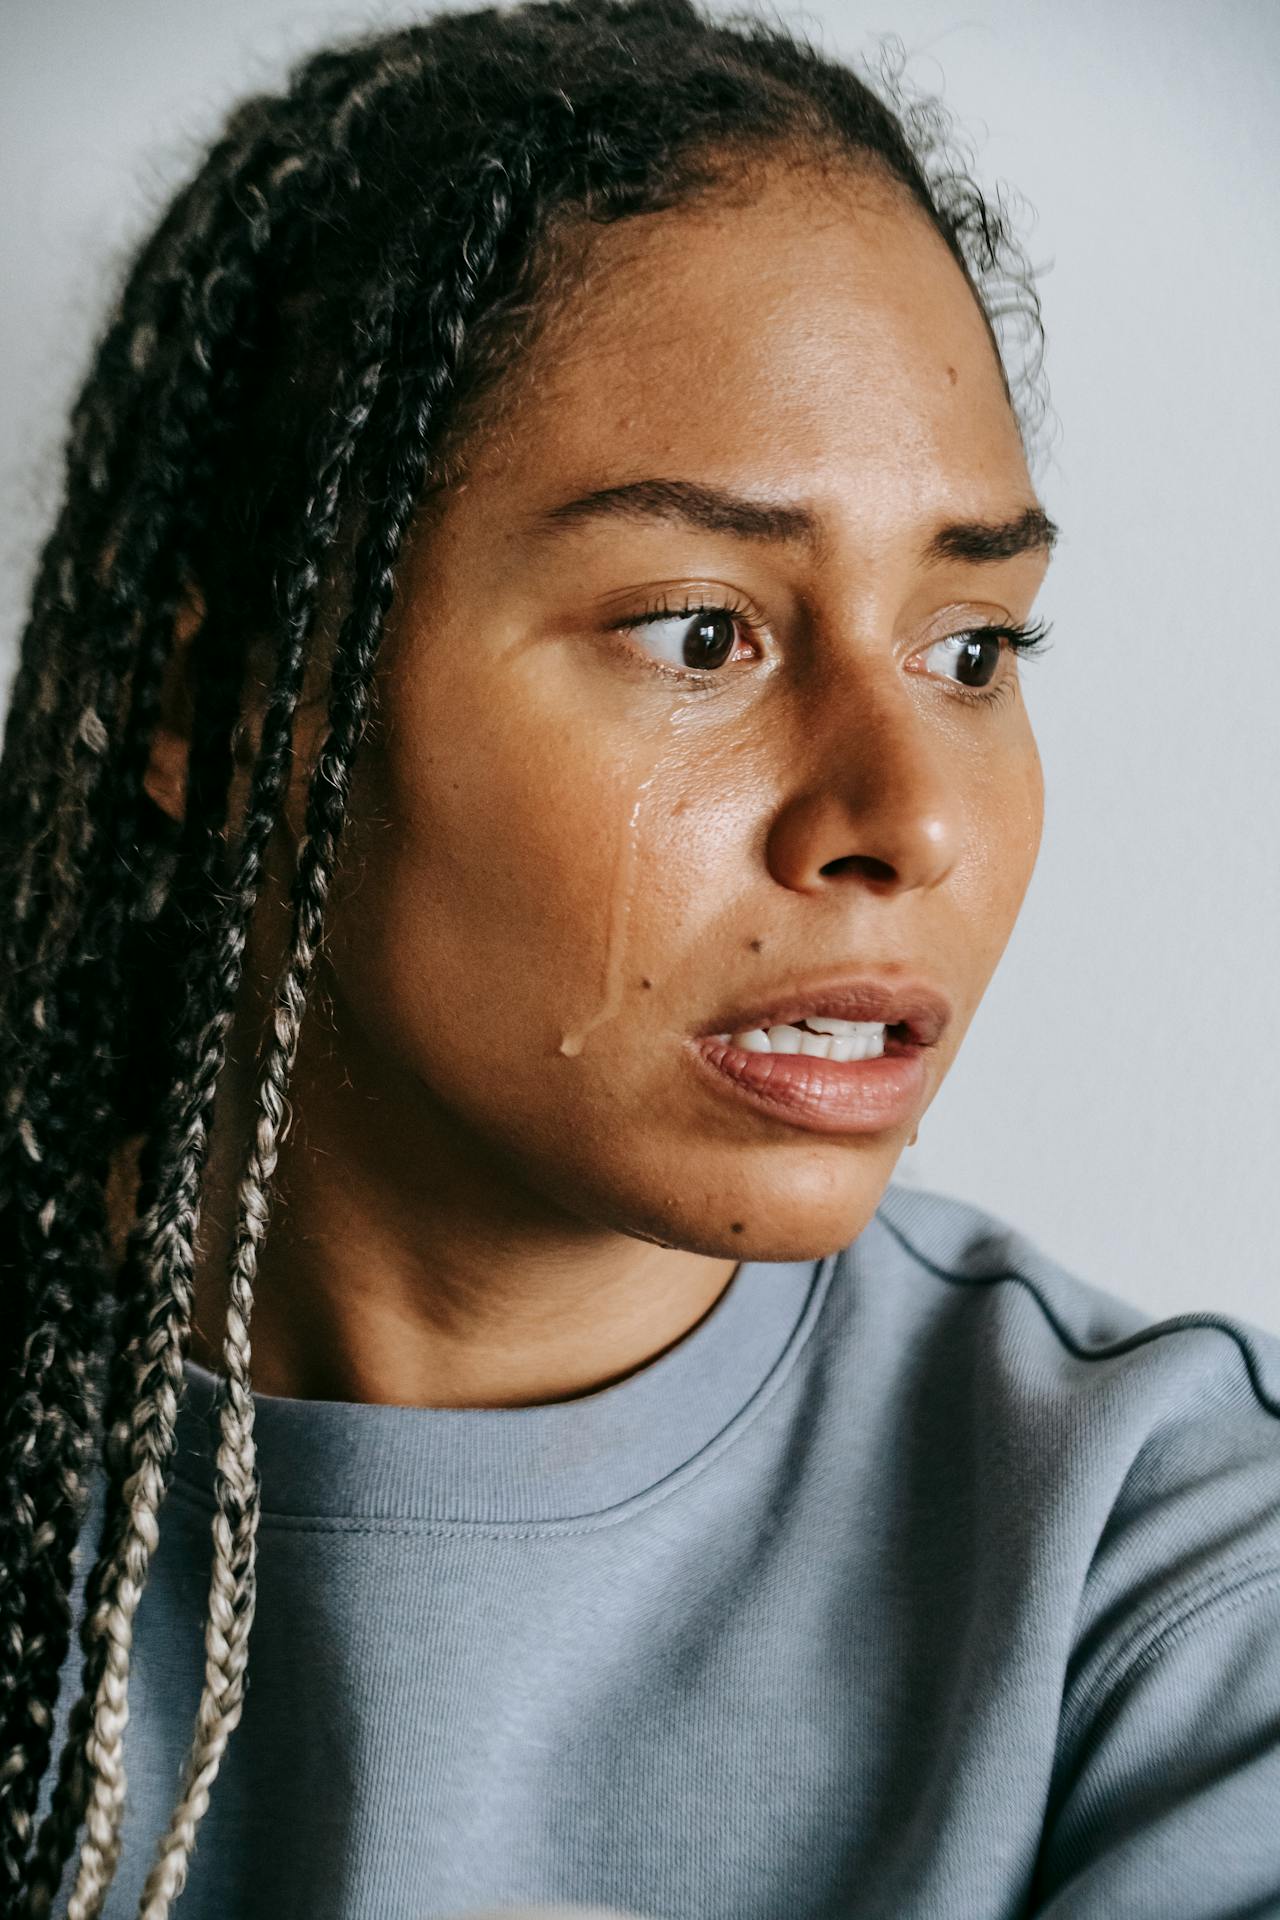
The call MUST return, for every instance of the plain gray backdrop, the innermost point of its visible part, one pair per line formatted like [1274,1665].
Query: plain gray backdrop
[1116,1094]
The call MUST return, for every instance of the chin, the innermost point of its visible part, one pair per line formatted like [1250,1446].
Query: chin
[771,1220]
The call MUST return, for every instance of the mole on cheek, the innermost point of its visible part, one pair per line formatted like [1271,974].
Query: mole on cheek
[756,946]
[736,1226]
[952,375]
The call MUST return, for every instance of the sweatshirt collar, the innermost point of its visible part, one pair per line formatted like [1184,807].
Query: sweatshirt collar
[482,1467]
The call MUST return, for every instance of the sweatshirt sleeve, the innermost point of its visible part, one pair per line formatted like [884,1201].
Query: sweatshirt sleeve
[1173,1802]
[1165,1797]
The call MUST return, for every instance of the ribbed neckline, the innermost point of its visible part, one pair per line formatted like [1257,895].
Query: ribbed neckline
[350,1461]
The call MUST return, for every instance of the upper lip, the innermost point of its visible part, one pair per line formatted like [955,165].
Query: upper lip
[922,1011]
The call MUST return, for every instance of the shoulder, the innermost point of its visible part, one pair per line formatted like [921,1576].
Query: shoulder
[1110,1483]
[1144,1453]
[1050,1324]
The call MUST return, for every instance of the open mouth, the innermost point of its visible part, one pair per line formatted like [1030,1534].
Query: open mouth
[840,1020]
[821,1038]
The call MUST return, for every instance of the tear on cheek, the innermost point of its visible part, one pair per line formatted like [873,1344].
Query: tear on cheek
[628,805]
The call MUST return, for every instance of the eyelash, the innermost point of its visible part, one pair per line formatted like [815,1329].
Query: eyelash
[1023,640]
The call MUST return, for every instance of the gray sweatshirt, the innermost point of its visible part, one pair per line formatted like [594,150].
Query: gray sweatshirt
[921,1582]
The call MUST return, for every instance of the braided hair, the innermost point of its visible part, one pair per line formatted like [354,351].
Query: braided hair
[292,370]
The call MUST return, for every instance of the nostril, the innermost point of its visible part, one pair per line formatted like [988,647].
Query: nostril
[865,863]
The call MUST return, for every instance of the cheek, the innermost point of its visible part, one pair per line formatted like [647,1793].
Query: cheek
[517,871]
[1004,850]
[1026,812]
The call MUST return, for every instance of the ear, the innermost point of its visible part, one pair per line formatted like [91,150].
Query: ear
[166,777]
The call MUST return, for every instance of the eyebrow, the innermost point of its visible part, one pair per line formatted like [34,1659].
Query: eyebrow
[709,509]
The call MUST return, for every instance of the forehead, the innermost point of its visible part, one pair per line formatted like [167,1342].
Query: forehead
[817,334]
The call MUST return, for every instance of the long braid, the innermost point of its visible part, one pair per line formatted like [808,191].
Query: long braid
[452,149]
[61,1233]
[105,479]
[67,1330]
[131,1552]
[46,1650]
[216,688]
[166,1249]
[231,1596]
[231,1599]
[231,1593]
[173,336]
[189,289]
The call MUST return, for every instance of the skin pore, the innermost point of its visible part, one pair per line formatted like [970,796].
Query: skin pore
[550,837]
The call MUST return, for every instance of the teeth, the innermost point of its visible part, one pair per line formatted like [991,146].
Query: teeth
[757,1041]
[854,1040]
[823,1024]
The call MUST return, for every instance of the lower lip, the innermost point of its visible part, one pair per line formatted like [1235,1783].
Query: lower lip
[825,1096]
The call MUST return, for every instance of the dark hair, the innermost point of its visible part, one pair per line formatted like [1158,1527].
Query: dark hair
[293,368]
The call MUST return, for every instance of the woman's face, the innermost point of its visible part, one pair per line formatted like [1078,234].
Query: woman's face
[563,861]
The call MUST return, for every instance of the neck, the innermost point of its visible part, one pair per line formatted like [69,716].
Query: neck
[404,1265]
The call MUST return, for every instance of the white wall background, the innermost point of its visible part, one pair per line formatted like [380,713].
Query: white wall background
[1116,1096]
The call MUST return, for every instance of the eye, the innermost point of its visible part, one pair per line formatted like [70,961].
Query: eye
[693,638]
[976,653]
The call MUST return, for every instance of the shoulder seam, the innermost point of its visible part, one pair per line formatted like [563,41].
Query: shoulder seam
[1145,1336]
[1172,1622]
[1103,1697]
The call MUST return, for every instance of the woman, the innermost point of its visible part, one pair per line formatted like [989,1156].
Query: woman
[514,790]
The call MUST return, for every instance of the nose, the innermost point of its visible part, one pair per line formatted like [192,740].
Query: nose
[878,800]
